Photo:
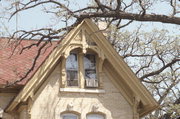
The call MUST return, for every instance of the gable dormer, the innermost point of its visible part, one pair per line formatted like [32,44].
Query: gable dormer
[84,77]
[82,63]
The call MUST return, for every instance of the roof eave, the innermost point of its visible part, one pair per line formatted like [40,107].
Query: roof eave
[138,87]
[46,67]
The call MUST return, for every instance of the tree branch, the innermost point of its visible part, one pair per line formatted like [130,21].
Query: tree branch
[132,16]
[161,69]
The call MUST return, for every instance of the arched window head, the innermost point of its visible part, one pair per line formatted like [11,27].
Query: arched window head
[69,116]
[95,116]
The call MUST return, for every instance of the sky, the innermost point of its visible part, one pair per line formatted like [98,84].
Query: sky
[35,18]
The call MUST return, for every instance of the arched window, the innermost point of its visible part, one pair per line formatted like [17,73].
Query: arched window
[81,69]
[95,116]
[72,70]
[90,70]
[69,116]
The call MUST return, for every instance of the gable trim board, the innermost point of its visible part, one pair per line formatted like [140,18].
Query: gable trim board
[126,75]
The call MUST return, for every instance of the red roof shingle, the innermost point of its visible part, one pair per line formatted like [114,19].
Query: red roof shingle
[14,66]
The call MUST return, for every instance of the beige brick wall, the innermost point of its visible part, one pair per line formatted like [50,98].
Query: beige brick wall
[23,113]
[5,98]
[50,102]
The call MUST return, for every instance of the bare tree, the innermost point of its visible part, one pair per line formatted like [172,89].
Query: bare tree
[154,57]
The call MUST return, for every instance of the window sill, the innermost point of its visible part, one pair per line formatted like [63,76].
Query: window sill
[79,90]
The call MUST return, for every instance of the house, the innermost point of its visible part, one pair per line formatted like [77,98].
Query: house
[81,77]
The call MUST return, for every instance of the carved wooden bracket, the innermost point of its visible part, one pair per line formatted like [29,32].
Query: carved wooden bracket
[84,42]
[136,104]
[29,106]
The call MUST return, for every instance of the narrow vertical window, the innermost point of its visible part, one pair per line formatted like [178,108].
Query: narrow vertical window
[72,70]
[90,70]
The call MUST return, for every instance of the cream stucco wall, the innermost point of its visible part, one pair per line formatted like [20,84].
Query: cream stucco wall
[50,102]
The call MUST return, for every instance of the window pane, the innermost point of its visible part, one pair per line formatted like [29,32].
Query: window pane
[95,116]
[70,116]
[72,70]
[90,66]
[72,62]
[90,70]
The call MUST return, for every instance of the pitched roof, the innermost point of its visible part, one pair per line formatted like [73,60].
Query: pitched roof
[13,65]
[126,76]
